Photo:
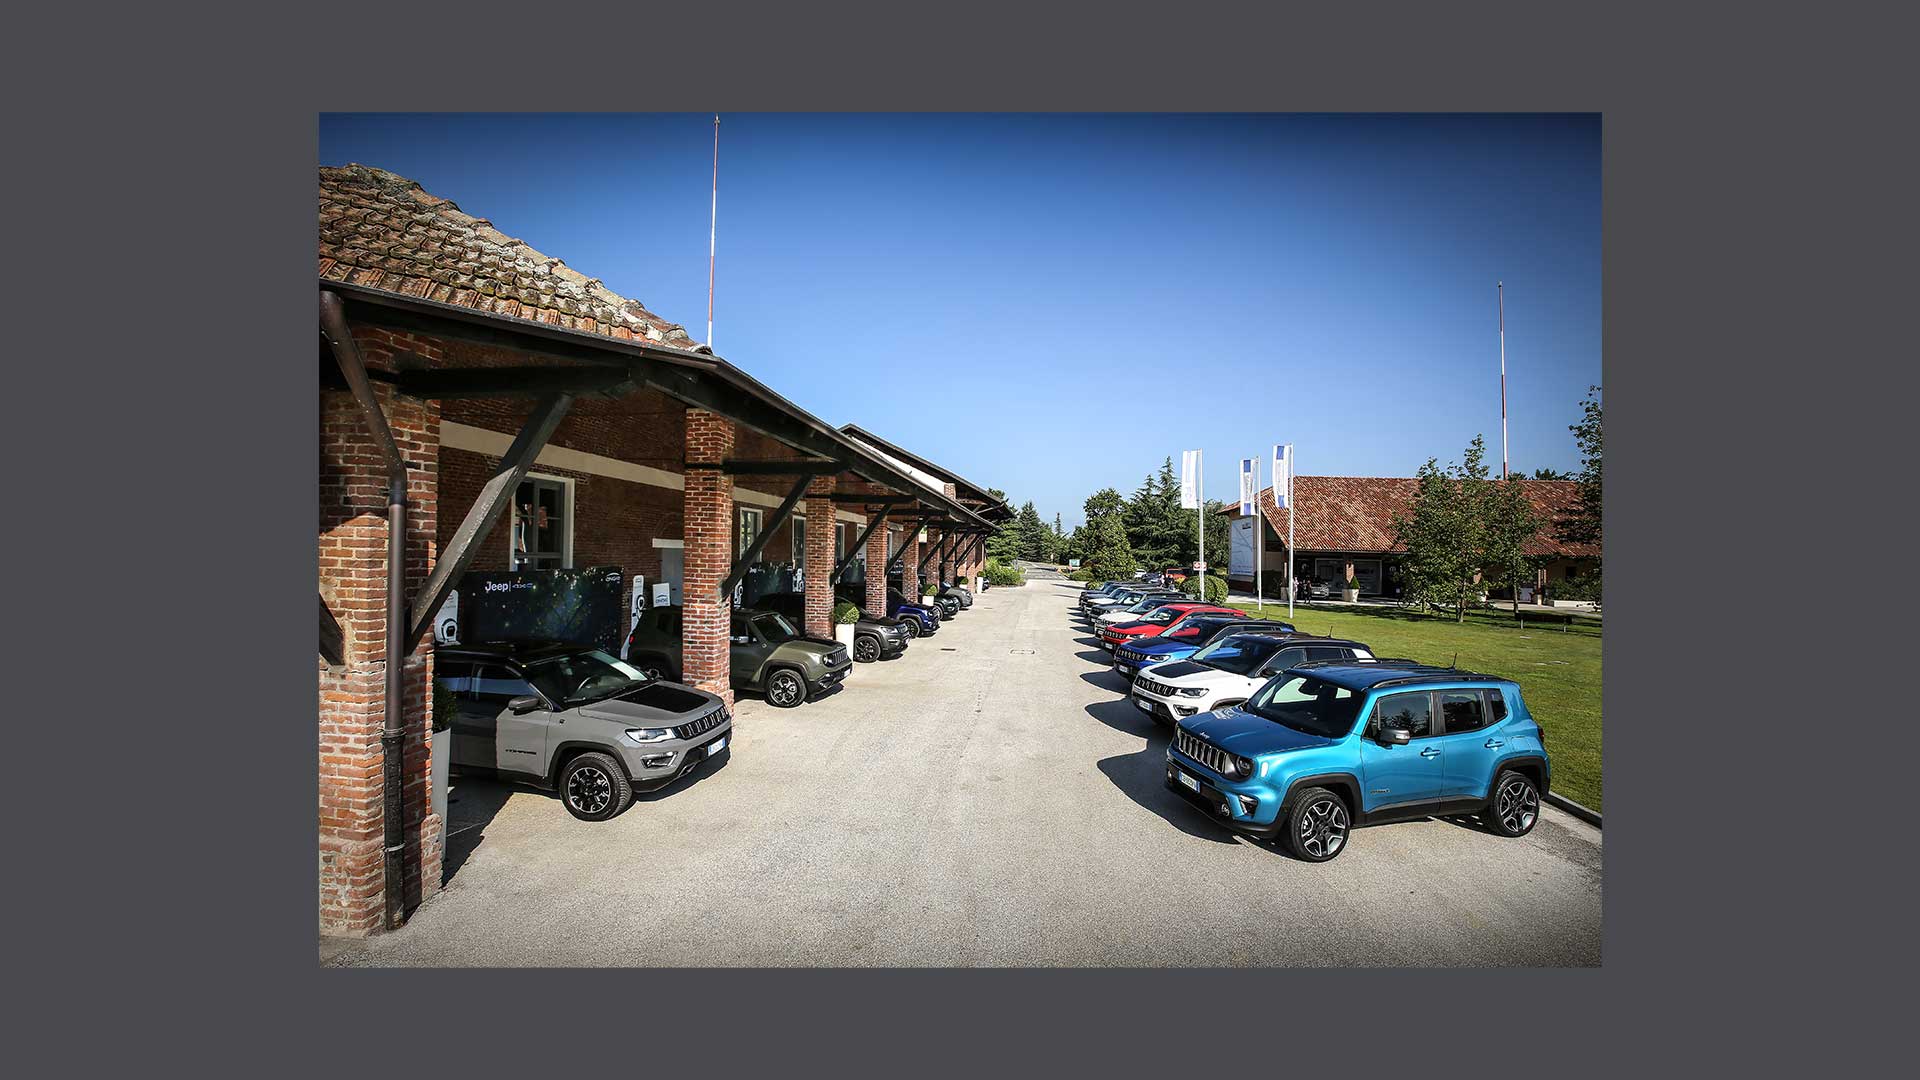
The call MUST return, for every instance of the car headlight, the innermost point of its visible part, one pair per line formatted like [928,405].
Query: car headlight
[1238,768]
[1193,691]
[645,735]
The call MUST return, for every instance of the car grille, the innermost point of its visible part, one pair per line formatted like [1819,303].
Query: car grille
[1154,686]
[837,657]
[1205,753]
[703,725]
[1134,655]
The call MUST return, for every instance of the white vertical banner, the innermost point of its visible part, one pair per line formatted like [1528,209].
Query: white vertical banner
[1190,479]
[1283,475]
[1249,486]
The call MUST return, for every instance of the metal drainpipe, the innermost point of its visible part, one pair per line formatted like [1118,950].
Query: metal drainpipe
[393,732]
[333,323]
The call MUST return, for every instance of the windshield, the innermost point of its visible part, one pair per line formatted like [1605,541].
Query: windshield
[578,678]
[1304,703]
[1241,654]
[1163,615]
[774,627]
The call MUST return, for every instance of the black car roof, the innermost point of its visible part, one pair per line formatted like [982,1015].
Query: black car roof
[1358,674]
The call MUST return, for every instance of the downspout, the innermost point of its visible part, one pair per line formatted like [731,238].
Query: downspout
[333,324]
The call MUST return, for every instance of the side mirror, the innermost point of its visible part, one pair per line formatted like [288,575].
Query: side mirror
[525,703]
[1393,736]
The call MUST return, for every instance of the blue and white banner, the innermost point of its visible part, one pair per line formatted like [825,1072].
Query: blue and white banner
[1249,486]
[1282,475]
[1190,479]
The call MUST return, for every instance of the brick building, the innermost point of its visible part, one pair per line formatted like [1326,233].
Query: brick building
[530,418]
[1349,519]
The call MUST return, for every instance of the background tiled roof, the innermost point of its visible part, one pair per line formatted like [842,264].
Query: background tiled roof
[1355,513]
[381,230]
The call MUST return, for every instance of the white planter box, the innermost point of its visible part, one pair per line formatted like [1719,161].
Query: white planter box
[843,633]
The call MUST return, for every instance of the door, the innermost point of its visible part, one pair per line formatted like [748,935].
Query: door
[673,564]
[1470,740]
[744,651]
[519,742]
[1398,775]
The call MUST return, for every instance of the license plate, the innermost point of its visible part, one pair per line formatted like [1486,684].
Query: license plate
[716,746]
[1189,781]
[1142,705]
[1124,669]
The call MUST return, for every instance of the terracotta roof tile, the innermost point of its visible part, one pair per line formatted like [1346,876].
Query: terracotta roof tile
[1355,513]
[382,230]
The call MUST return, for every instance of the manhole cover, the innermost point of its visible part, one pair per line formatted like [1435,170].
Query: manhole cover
[1020,652]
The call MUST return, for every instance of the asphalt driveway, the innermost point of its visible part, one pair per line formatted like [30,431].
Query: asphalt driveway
[988,799]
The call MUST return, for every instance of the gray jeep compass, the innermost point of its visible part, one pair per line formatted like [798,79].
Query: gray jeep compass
[574,720]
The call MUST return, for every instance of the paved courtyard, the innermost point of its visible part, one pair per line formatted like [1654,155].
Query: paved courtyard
[989,799]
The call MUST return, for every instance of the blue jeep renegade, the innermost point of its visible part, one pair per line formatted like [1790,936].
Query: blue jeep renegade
[1328,746]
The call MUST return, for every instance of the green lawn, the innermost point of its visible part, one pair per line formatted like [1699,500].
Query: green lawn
[1558,670]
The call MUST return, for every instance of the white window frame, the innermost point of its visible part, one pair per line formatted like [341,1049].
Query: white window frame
[740,539]
[567,485]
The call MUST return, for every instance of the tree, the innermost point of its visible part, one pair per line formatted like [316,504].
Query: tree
[1550,474]
[1034,542]
[1445,531]
[1582,525]
[1509,524]
[1108,555]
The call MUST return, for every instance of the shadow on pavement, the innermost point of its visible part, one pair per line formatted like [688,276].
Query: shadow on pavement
[475,799]
[1105,679]
[1141,776]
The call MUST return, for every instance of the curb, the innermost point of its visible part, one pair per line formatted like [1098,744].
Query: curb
[1591,817]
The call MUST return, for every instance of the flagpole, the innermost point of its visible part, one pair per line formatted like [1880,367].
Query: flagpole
[713,227]
[1292,467]
[1501,288]
[1200,515]
[1259,540]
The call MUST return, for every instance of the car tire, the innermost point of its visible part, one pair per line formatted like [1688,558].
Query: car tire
[785,688]
[911,626]
[594,787]
[866,648]
[1318,825]
[1513,806]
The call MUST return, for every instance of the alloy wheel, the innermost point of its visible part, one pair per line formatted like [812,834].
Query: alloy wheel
[866,650]
[1323,828]
[784,690]
[1517,805]
[589,790]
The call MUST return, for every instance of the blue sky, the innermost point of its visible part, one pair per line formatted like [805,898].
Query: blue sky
[981,288]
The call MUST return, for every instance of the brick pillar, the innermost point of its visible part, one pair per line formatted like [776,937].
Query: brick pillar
[946,565]
[352,548]
[819,556]
[910,568]
[708,537]
[876,570]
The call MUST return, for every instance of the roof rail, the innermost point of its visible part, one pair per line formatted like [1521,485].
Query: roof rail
[1442,673]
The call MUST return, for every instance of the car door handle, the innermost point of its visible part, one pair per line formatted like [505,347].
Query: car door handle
[1495,744]
[1429,752]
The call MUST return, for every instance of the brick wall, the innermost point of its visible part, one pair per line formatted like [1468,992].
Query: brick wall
[352,547]
[819,556]
[910,567]
[876,570]
[708,517]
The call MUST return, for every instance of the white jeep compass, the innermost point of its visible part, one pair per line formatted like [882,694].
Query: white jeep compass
[1229,670]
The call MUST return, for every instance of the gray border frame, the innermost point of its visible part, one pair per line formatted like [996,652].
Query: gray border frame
[184,195]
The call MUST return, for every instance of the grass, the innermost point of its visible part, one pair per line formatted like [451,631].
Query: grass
[1558,669]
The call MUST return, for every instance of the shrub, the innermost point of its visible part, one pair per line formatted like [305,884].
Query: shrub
[845,613]
[1080,575]
[444,704]
[1216,588]
[1000,574]
[928,587]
